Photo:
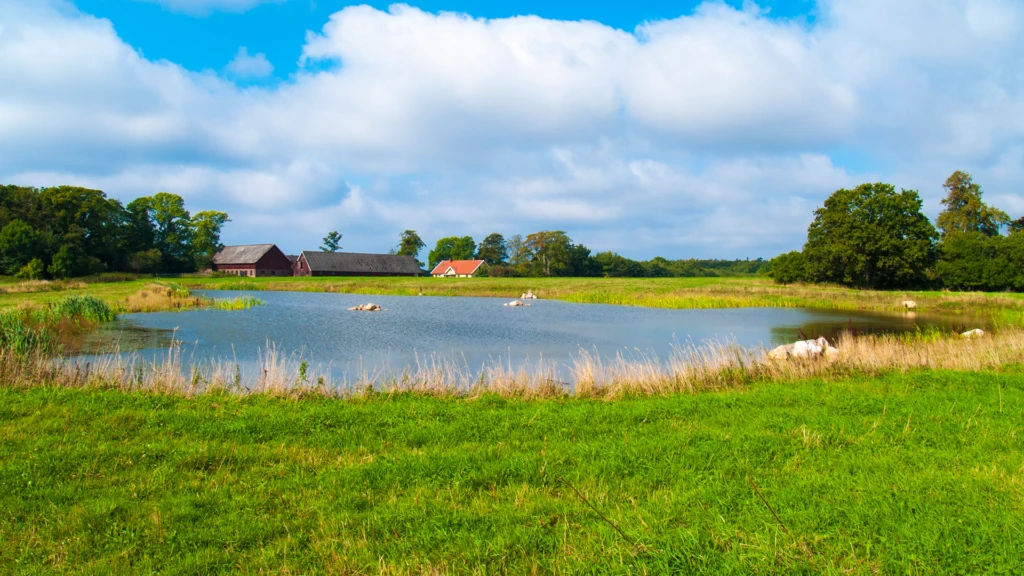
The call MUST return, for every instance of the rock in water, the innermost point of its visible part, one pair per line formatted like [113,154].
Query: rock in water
[909,304]
[514,303]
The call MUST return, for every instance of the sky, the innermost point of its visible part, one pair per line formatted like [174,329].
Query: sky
[679,129]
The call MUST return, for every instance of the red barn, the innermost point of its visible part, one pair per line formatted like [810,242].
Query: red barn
[252,260]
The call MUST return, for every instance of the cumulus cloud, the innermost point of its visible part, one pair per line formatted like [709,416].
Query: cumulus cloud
[245,66]
[713,134]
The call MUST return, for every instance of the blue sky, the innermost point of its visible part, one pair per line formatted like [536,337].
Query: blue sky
[693,129]
[200,36]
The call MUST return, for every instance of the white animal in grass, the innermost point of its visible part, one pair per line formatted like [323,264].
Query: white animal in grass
[976,333]
[909,304]
[804,349]
[529,295]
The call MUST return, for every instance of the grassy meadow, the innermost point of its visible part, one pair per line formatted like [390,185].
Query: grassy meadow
[902,454]
[911,473]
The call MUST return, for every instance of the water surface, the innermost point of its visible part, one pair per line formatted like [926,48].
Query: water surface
[319,328]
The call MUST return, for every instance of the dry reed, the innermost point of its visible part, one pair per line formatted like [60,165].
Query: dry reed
[31,286]
[689,368]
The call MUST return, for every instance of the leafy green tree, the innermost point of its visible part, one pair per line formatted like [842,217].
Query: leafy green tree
[1017,226]
[410,244]
[580,263]
[788,268]
[65,263]
[493,250]
[965,211]
[146,261]
[206,227]
[139,232]
[34,270]
[518,253]
[870,237]
[614,265]
[19,244]
[452,248]
[173,231]
[975,261]
[549,251]
[332,242]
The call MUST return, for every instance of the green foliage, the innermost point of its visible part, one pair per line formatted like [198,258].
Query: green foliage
[206,228]
[870,237]
[900,474]
[64,262]
[410,245]
[332,242]
[974,261]
[88,233]
[788,268]
[19,244]
[146,261]
[34,270]
[965,211]
[240,303]
[37,330]
[452,248]
[493,250]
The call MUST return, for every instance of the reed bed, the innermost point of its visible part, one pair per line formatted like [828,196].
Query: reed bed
[32,286]
[161,297]
[690,368]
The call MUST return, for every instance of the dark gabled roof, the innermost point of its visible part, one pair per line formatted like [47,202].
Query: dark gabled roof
[353,263]
[246,254]
[292,257]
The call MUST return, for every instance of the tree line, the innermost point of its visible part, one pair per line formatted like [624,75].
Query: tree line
[875,237]
[66,231]
[550,253]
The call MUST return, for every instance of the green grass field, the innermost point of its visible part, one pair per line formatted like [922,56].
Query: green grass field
[917,473]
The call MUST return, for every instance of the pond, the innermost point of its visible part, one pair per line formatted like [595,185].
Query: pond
[318,327]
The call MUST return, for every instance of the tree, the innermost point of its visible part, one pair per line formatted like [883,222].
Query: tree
[787,268]
[206,226]
[1017,226]
[64,263]
[410,245]
[145,261]
[173,236]
[974,261]
[965,211]
[452,248]
[870,237]
[614,265]
[493,250]
[549,251]
[518,254]
[331,242]
[19,244]
[34,270]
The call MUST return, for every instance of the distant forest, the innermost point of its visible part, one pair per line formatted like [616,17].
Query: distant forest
[875,237]
[551,253]
[68,231]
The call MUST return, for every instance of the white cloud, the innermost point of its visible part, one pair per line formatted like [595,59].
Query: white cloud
[711,134]
[245,66]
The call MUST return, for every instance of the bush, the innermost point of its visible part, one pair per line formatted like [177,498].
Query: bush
[34,270]
[787,268]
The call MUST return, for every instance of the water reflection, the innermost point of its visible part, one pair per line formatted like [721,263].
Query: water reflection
[318,327]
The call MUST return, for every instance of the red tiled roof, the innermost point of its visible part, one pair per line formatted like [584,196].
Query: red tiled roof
[461,267]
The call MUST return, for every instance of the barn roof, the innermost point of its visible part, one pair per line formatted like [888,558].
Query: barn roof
[460,267]
[244,254]
[354,263]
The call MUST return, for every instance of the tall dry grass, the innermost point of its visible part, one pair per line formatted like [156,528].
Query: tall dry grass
[689,368]
[159,298]
[32,286]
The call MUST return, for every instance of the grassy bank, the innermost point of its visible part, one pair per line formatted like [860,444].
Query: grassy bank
[1006,308]
[906,473]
